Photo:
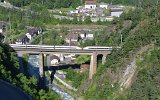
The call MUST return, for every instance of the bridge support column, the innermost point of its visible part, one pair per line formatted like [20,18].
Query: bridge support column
[93,65]
[48,60]
[104,58]
[41,65]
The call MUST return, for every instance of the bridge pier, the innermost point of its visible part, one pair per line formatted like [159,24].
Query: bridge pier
[41,65]
[48,60]
[93,65]
[104,58]
[41,71]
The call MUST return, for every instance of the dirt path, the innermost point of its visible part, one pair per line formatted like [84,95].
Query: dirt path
[77,27]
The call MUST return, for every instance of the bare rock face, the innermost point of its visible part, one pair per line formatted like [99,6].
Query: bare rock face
[128,74]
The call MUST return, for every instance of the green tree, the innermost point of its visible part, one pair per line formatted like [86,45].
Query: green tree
[87,20]
[75,20]
[9,71]
[82,59]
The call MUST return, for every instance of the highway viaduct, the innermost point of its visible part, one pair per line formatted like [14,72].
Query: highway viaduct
[48,50]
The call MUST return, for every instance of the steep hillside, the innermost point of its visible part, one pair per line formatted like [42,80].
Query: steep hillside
[147,82]
[131,72]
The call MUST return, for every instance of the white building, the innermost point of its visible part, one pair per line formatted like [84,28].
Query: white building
[71,37]
[29,36]
[79,7]
[23,39]
[116,12]
[33,32]
[54,60]
[60,56]
[103,5]
[87,36]
[109,18]
[73,12]
[90,4]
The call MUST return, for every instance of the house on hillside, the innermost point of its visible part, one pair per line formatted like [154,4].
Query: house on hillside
[90,4]
[33,32]
[99,11]
[75,36]
[72,37]
[54,60]
[103,5]
[73,12]
[22,40]
[86,35]
[116,12]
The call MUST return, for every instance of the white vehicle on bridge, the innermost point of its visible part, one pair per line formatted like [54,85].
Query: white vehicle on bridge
[97,48]
[48,47]
[67,47]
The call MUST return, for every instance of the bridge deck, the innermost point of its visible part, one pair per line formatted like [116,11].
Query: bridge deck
[61,49]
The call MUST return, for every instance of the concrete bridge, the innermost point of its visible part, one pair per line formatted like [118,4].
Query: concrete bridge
[48,50]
